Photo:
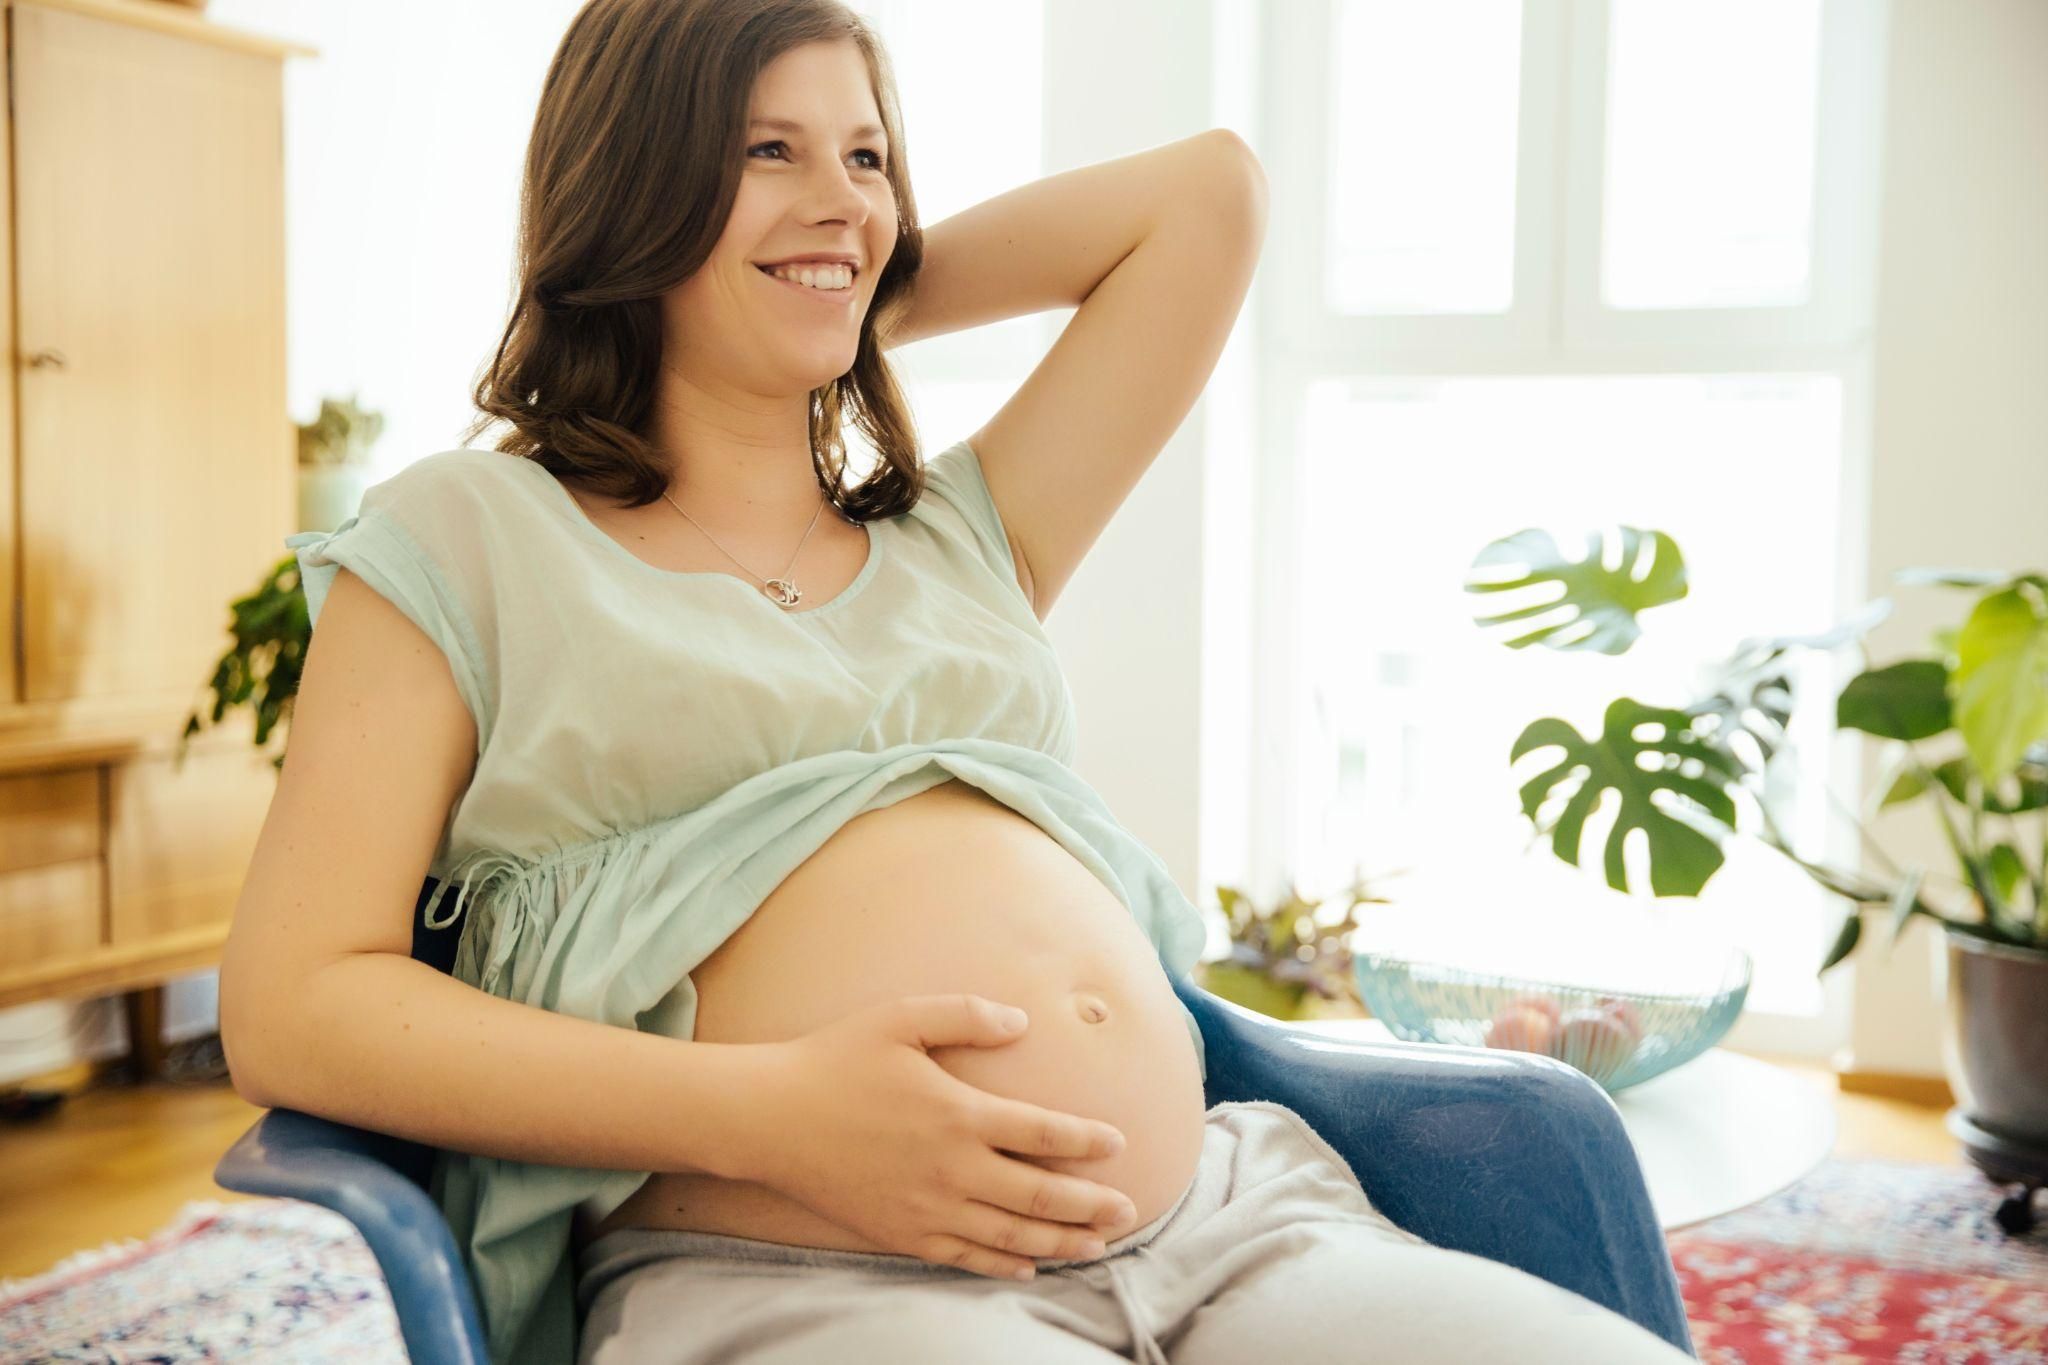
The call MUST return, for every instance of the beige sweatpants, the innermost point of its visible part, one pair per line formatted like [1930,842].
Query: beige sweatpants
[1273,1253]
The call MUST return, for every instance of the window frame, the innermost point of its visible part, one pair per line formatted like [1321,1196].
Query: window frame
[1556,325]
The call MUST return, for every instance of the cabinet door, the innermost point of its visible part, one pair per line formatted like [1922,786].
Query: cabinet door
[52,880]
[180,837]
[157,459]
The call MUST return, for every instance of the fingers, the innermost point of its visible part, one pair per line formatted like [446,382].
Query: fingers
[1029,1130]
[943,1249]
[1016,1235]
[1033,1191]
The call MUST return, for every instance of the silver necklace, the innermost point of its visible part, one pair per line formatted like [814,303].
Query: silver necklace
[783,590]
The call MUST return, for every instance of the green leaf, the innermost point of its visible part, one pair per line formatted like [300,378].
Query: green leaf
[1908,785]
[1924,577]
[1757,703]
[2026,790]
[2008,870]
[1602,603]
[1845,941]
[1905,701]
[1682,857]
[1904,898]
[2001,701]
[1870,615]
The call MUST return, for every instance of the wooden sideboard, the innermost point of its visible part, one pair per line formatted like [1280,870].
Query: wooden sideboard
[147,468]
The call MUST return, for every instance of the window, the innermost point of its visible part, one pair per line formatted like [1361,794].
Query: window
[1530,266]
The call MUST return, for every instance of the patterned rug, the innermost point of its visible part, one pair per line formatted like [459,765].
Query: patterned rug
[270,1280]
[1868,1261]
[1862,1262]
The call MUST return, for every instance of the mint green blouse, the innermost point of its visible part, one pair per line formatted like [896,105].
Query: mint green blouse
[657,750]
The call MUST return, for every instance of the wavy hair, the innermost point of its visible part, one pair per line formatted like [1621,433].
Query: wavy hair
[631,173]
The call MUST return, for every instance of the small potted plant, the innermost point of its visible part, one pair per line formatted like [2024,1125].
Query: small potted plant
[1292,960]
[271,627]
[334,462]
[1982,693]
[271,630]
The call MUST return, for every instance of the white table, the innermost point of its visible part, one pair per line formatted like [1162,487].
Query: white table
[1718,1132]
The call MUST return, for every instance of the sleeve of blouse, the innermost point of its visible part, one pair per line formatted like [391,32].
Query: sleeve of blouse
[391,544]
[954,474]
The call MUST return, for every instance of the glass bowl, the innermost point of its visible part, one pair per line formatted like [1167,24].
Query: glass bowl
[1618,1037]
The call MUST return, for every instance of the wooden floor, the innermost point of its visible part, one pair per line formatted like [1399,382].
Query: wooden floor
[118,1161]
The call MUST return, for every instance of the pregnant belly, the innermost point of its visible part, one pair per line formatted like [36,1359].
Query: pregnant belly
[950,890]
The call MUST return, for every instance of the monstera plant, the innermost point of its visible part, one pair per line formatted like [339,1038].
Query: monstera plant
[1675,771]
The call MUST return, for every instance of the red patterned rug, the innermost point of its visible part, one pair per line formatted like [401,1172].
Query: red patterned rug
[1868,1261]
[1861,1262]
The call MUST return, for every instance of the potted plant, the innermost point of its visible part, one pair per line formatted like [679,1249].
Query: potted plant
[1981,693]
[271,627]
[334,462]
[1291,960]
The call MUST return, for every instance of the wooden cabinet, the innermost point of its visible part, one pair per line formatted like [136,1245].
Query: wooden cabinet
[147,468]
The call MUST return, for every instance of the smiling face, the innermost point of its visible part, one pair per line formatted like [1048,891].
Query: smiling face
[817,187]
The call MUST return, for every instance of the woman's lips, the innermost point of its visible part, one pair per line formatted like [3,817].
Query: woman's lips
[837,298]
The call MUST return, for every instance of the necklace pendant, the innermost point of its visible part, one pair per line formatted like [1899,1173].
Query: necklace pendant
[784,593]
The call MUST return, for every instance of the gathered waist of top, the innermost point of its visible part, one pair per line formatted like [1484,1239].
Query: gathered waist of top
[608,929]
[500,870]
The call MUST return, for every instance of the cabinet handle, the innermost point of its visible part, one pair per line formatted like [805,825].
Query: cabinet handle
[47,358]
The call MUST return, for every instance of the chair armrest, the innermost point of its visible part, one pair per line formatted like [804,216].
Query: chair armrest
[366,1178]
[1508,1155]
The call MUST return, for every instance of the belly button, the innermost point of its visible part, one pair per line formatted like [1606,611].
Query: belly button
[1090,1007]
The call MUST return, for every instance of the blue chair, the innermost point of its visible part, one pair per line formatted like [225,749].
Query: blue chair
[1506,1155]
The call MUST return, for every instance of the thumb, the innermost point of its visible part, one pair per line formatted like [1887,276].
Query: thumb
[949,1020]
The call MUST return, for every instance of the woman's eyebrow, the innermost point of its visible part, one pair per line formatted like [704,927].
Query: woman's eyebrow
[783,125]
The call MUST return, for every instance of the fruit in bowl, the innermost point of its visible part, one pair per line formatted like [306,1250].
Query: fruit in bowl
[1525,1024]
[1616,1035]
[1596,1040]
[1625,1013]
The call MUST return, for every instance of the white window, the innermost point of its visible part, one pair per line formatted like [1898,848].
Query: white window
[1558,264]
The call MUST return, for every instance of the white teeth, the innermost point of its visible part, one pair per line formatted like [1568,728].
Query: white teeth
[817,277]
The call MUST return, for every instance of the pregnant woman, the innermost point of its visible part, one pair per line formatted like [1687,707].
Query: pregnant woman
[753,823]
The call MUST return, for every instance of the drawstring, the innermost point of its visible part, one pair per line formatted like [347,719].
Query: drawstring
[1145,1346]
[508,917]
[464,878]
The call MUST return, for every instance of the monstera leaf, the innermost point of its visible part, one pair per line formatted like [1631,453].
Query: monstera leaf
[1754,701]
[1605,600]
[1682,858]
[1752,689]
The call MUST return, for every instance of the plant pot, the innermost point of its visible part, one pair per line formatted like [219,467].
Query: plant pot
[1995,1048]
[329,494]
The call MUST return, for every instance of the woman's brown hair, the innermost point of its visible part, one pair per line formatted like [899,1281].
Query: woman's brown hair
[631,173]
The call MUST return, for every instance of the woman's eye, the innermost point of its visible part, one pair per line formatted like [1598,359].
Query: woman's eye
[879,163]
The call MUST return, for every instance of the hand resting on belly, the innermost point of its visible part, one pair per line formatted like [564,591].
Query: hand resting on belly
[946,893]
[857,1122]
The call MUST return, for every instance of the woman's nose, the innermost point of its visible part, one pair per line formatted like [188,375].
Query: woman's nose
[837,196]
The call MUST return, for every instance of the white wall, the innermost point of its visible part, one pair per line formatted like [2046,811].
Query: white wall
[1960,468]
[1129,626]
